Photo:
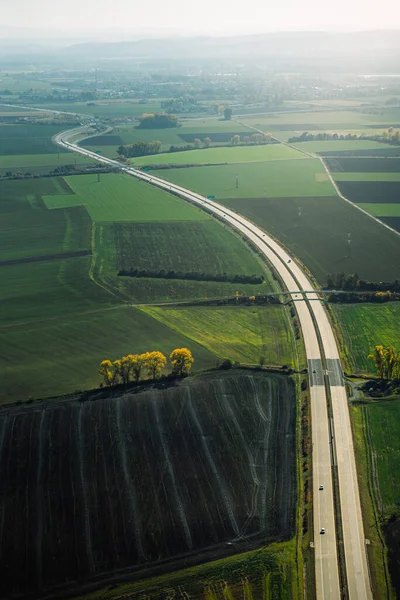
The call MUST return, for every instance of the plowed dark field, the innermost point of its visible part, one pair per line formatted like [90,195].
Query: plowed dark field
[379,152]
[387,192]
[88,488]
[364,165]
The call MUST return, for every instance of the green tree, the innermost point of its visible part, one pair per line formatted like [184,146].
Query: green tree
[207,142]
[235,140]
[197,143]
[227,113]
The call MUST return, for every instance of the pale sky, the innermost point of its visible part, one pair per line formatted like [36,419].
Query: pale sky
[221,17]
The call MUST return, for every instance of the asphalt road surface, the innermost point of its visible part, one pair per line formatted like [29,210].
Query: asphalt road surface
[325,373]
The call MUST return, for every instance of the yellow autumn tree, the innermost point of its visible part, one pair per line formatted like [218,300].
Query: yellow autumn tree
[378,357]
[106,371]
[387,362]
[154,362]
[181,361]
[137,364]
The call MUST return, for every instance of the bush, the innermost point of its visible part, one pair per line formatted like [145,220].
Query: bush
[226,364]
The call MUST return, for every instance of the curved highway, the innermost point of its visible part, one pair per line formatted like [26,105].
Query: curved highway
[331,432]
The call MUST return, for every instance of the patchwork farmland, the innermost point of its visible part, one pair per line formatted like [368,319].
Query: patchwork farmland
[213,476]
[63,243]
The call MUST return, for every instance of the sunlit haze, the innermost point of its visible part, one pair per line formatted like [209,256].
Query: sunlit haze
[182,17]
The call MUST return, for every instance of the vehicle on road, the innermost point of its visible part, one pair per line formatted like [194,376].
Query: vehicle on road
[321,487]
[322,531]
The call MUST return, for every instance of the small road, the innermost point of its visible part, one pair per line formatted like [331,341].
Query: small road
[331,434]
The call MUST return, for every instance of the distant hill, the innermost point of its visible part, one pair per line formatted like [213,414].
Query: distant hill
[373,49]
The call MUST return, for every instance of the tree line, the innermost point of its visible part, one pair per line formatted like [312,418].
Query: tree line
[191,276]
[343,281]
[133,366]
[139,149]
[387,362]
[157,121]
[389,136]
[146,148]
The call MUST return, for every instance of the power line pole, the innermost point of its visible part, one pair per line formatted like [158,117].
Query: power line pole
[237,181]
[349,245]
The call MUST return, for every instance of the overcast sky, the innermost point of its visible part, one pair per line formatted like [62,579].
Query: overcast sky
[200,16]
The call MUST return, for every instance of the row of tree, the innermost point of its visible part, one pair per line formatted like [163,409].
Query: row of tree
[389,136]
[191,276]
[139,149]
[133,366]
[256,139]
[387,362]
[343,281]
[157,121]
[355,298]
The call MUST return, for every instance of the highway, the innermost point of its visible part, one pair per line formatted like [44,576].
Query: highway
[332,439]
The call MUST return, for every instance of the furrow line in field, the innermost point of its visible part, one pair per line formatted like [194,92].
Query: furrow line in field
[254,493]
[249,454]
[72,475]
[285,492]
[266,444]
[88,532]
[39,503]
[222,486]
[2,434]
[105,461]
[27,503]
[130,488]
[171,472]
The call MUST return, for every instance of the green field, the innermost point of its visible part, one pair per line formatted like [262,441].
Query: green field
[19,162]
[122,198]
[28,139]
[48,303]
[44,233]
[46,290]
[340,145]
[367,176]
[381,210]
[323,120]
[319,236]
[272,179]
[243,334]
[117,108]
[20,194]
[201,246]
[364,326]
[62,354]
[267,573]
[176,136]
[238,154]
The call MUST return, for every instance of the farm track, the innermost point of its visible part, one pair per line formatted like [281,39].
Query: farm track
[137,483]
[327,389]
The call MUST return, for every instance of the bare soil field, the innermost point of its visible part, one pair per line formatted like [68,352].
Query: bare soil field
[386,192]
[363,165]
[123,482]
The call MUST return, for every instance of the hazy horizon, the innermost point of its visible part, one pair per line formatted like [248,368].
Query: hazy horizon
[124,20]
